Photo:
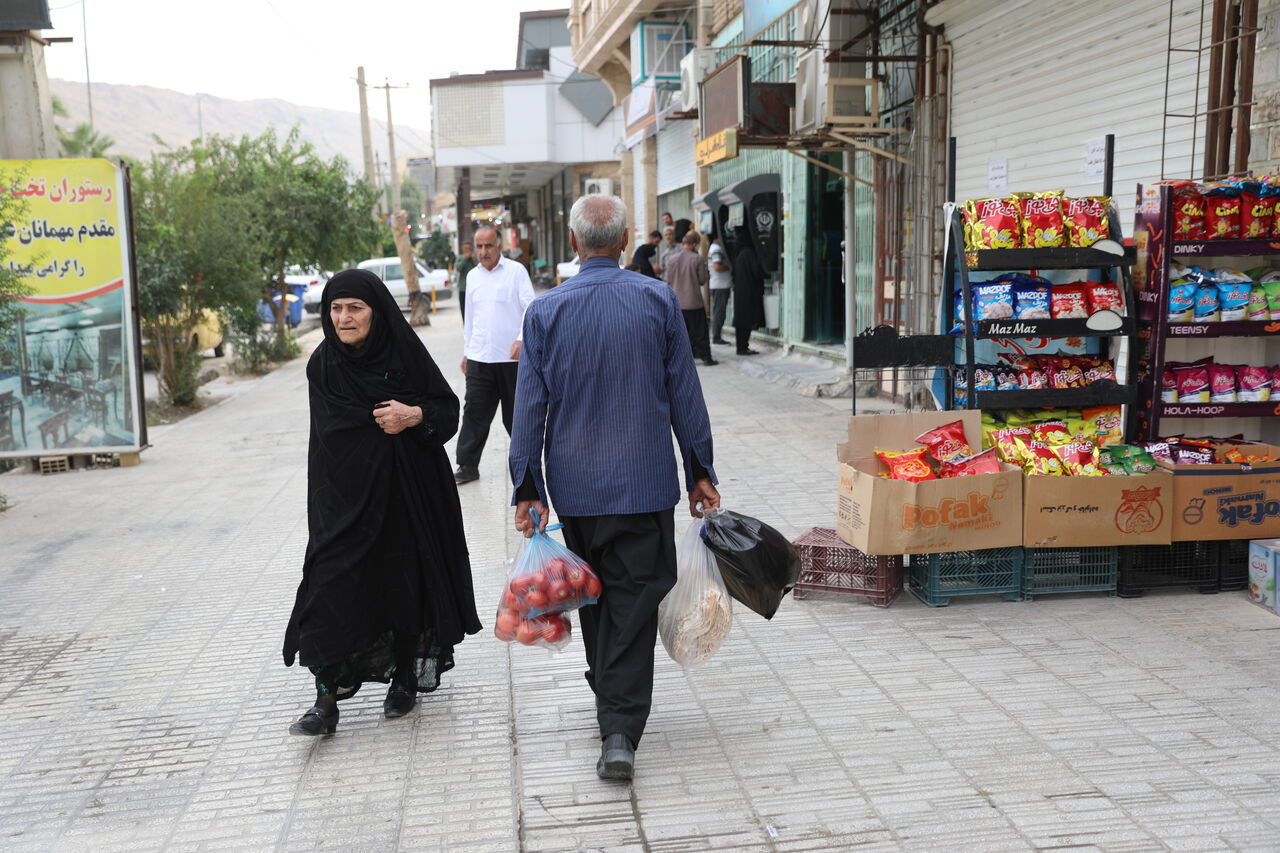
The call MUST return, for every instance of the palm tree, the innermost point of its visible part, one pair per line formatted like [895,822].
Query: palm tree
[82,140]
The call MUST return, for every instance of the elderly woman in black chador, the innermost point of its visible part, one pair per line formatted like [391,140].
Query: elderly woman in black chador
[386,584]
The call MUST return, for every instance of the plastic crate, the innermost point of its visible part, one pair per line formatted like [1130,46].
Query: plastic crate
[54,464]
[1191,565]
[1046,570]
[937,578]
[829,564]
[1233,564]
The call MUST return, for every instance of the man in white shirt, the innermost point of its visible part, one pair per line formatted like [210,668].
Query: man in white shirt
[498,291]
[721,284]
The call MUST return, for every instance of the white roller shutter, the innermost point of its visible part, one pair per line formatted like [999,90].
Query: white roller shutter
[1034,83]
[641,190]
[675,156]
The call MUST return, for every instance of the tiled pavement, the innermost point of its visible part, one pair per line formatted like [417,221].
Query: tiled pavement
[143,704]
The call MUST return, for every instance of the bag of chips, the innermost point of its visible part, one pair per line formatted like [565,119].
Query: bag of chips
[1009,441]
[1040,222]
[1070,301]
[946,442]
[1031,300]
[1233,293]
[993,300]
[1064,372]
[1079,459]
[1182,301]
[1275,378]
[1111,461]
[1207,310]
[1105,295]
[980,463]
[957,325]
[1157,450]
[1006,378]
[1104,422]
[907,465]
[1039,460]
[1051,432]
[992,223]
[1222,212]
[1192,452]
[1168,385]
[1188,212]
[1096,369]
[1222,383]
[1271,286]
[1139,461]
[1257,214]
[1253,384]
[1236,454]
[1257,308]
[1193,383]
[1086,220]
[960,389]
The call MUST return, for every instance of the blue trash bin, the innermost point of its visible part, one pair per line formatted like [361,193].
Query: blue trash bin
[268,312]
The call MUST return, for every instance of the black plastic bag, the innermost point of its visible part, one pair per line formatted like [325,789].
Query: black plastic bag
[757,563]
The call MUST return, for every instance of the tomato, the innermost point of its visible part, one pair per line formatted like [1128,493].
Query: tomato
[529,632]
[554,631]
[538,579]
[522,606]
[576,576]
[536,599]
[509,600]
[593,587]
[560,590]
[505,625]
[519,583]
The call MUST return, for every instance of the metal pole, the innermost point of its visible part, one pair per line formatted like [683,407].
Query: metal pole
[88,86]
[1248,41]
[365,137]
[391,153]
[1108,171]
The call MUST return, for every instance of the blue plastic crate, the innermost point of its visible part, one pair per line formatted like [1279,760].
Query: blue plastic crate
[937,578]
[1047,570]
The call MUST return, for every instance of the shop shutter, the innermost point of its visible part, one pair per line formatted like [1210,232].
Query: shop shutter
[641,189]
[675,156]
[1035,87]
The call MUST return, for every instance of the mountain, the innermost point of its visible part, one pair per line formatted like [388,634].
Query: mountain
[132,114]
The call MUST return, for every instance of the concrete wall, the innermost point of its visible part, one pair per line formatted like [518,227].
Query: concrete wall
[26,113]
[1264,150]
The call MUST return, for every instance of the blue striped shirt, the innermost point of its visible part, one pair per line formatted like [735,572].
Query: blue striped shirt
[606,375]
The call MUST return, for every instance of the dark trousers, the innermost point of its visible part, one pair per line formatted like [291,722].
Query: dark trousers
[462,303]
[635,557]
[742,337]
[719,304]
[695,322]
[488,384]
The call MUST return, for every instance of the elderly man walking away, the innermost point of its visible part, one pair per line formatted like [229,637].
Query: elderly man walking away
[499,291]
[687,274]
[607,375]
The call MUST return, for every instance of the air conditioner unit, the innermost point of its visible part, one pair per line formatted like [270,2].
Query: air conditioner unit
[656,50]
[822,100]
[597,186]
[696,65]
[810,93]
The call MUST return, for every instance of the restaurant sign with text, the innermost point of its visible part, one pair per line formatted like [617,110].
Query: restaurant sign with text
[717,147]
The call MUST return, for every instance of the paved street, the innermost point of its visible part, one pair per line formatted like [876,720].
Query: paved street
[144,704]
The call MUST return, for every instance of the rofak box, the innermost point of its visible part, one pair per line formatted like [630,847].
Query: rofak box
[882,516]
[1082,512]
[1228,500]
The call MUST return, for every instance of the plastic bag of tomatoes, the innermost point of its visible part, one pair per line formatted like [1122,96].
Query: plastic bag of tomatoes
[546,581]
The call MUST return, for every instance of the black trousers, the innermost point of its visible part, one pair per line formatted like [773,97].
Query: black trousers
[719,305]
[635,557]
[488,385]
[695,322]
[462,303]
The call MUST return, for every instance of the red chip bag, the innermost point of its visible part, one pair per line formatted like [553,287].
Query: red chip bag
[1222,217]
[1008,442]
[1188,214]
[946,442]
[980,463]
[1051,432]
[1079,459]
[1033,379]
[910,465]
[992,223]
[1096,369]
[1104,295]
[1039,460]
[1040,222]
[1070,301]
[1193,383]
[1086,220]
[1065,372]
[1257,216]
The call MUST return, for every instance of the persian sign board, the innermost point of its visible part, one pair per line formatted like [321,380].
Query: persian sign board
[69,372]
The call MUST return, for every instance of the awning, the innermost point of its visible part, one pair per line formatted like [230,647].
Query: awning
[707,201]
[744,190]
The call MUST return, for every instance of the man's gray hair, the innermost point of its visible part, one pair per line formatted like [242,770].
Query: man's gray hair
[598,221]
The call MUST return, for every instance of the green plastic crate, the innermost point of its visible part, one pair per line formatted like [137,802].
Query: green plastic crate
[937,578]
[1049,570]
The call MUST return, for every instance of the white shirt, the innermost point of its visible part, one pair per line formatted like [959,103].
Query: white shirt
[719,280]
[495,310]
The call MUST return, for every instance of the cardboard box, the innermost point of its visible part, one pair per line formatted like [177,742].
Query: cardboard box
[1264,561]
[880,516]
[1226,501]
[1081,512]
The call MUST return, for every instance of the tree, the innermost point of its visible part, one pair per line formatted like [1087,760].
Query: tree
[82,140]
[420,309]
[411,200]
[436,250]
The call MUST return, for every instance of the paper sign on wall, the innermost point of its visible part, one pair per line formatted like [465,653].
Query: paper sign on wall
[1095,159]
[997,176]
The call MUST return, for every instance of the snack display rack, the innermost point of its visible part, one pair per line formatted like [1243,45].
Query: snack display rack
[1156,248]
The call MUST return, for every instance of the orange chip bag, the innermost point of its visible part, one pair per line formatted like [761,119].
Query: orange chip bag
[992,223]
[1079,459]
[946,442]
[1105,421]
[907,465]
[1039,460]
[980,463]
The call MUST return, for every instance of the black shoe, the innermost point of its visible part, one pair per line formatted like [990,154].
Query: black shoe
[748,352]
[317,721]
[465,474]
[400,701]
[617,759]
[720,342]
[710,362]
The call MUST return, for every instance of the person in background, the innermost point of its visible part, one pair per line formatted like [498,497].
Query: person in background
[667,221]
[465,264]
[748,294]
[670,246]
[500,292]
[609,463]
[687,274]
[642,257]
[721,286]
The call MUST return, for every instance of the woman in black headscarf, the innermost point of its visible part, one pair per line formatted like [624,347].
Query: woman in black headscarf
[386,583]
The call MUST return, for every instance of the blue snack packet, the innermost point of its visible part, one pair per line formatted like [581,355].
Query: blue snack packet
[1182,301]
[1233,299]
[1031,299]
[993,300]
[957,325]
[1207,309]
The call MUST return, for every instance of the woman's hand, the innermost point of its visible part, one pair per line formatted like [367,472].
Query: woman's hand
[395,417]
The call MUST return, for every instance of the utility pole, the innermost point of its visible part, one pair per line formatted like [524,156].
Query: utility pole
[88,86]
[199,116]
[391,152]
[365,137]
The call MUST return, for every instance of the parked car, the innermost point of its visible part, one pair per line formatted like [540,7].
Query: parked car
[392,274]
[566,270]
[205,334]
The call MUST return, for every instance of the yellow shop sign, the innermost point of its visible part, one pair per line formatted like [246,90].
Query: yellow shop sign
[717,147]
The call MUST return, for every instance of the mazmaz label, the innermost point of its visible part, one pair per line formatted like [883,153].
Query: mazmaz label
[1012,329]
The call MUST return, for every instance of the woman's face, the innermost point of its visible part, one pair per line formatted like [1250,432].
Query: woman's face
[352,318]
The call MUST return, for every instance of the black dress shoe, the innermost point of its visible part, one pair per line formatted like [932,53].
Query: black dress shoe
[748,352]
[710,362]
[617,758]
[317,721]
[720,342]
[400,701]
[465,474]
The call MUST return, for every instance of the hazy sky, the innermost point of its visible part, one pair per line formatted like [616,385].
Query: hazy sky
[303,51]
